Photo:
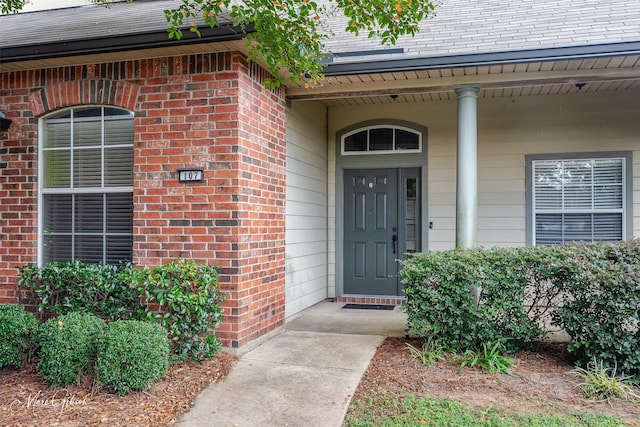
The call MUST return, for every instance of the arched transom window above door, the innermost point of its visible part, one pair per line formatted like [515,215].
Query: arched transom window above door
[381,139]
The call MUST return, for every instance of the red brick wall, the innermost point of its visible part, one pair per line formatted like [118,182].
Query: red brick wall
[18,181]
[207,110]
[259,290]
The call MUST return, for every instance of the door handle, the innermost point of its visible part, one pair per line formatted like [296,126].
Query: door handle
[394,240]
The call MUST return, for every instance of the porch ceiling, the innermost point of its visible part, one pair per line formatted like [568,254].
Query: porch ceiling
[497,80]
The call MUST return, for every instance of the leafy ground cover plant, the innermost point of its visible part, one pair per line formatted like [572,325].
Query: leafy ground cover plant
[490,359]
[17,333]
[68,347]
[131,354]
[603,383]
[430,353]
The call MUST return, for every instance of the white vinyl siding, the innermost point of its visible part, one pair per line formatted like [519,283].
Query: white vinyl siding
[578,200]
[510,129]
[87,186]
[306,208]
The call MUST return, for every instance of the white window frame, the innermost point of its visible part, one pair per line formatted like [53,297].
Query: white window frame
[627,180]
[369,152]
[102,189]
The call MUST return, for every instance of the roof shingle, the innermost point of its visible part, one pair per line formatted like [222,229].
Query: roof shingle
[457,27]
[471,26]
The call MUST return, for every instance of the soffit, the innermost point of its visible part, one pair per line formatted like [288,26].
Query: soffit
[502,80]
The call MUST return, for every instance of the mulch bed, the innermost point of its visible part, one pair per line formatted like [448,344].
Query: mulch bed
[27,400]
[540,382]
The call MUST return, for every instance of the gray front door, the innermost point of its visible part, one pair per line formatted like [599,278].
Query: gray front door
[381,224]
[370,220]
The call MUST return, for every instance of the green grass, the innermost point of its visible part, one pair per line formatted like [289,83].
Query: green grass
[386,410]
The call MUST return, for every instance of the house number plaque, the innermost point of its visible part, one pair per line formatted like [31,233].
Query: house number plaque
[190,175]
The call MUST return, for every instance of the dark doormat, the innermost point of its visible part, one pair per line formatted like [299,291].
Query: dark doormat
[370,306]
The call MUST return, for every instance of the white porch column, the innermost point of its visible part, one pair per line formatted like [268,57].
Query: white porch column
[467,172]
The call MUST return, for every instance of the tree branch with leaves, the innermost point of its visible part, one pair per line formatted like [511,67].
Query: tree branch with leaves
[289,35]
[11,6]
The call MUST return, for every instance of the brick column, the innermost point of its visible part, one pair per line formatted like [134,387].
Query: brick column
[258,290]
[228,124]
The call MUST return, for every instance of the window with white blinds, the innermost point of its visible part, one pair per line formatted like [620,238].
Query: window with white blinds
[578,200]
[86,186]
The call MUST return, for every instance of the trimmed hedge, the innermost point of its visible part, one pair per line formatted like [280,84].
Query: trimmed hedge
[601,308]
[182,295]
[67,287]
[131,354]
[464,298]
[68,347]
[17,335]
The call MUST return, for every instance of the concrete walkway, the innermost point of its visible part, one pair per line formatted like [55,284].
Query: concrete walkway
[304,376]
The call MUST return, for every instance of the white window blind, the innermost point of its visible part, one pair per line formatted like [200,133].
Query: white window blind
[578,200]
[87,185]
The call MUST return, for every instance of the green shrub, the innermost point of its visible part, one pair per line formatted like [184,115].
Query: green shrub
[65,287]
[514,297]
[601,306]
[439,303]
[68,347]
[183,296]
[592,291]
[131,354]
[17,333]
[469,297]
